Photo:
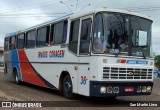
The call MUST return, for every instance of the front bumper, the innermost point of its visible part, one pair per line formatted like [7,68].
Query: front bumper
[95,87]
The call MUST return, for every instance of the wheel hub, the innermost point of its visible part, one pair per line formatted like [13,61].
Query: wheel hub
[16,78]
[67,86]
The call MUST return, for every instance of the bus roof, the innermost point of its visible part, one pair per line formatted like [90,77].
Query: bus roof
[80,13]
[11,34]
[105,9]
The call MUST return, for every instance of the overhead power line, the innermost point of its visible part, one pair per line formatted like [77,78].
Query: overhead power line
[147,10]
[143,8]
[77,4]
[66,5]
[34,5]
[26,16]
[25,8]
[7,14]
[33,14]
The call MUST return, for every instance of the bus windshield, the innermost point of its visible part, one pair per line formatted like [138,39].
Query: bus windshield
[121,34]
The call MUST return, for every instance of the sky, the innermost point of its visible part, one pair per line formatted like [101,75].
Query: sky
[17,15]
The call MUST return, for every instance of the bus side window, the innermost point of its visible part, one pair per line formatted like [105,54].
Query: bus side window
[15,42]
[9,43]
[51,35]
[65,31]
[20,41]
[6,44]
[59,33]
[12,43]
[85,36]
[74,32]
[43,36]
[31,39]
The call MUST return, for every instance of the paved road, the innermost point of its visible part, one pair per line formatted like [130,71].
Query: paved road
[9,91]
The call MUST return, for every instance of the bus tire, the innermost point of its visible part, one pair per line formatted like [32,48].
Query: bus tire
[68,88]
[16,77]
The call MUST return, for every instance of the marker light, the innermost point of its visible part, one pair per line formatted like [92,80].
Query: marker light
[109,89]
[123,61]
[103,90]
[149,88]
[139,89]
[144,89]
[151,63]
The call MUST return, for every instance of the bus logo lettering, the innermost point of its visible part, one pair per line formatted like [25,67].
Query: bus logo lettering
[43,54]
[137,62]
[56,54]
[51,54]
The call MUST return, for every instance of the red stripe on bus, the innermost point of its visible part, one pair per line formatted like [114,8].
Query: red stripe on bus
[28,74]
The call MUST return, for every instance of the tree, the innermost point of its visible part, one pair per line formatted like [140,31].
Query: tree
[157,61]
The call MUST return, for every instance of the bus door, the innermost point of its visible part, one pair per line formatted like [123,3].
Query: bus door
[84,54]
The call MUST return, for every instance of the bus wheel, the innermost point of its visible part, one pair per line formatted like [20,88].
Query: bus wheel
[68,88]
[16,77]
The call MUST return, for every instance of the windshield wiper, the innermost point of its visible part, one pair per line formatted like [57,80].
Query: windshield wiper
[137,45]
[142,51]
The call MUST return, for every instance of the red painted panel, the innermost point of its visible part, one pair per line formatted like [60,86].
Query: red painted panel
[28,73]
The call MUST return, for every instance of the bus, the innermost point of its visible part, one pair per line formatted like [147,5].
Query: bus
[96,53]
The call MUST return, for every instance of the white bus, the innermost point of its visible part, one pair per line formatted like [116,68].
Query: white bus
[101,53]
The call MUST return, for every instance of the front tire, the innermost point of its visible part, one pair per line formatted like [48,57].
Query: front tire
[68,88]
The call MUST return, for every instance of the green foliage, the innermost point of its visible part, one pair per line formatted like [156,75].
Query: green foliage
[157,61]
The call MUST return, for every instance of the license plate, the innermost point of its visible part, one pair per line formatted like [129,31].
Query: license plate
[129,89]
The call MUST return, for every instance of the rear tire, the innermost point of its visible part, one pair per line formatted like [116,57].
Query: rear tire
[16,77]
[68,88]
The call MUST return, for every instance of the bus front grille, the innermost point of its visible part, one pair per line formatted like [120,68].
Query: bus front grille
[126,73]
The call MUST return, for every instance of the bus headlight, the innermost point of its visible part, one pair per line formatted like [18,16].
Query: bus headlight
[149,88]
[109,89]
[116,89]
[144,89]
[103,90]
[139,89]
